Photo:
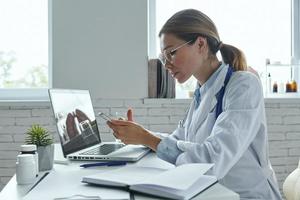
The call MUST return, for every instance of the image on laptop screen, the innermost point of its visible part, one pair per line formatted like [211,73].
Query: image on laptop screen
[75,119]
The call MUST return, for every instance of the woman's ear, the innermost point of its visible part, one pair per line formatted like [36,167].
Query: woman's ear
[201,43]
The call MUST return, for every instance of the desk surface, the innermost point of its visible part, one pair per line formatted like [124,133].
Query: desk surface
[65,180]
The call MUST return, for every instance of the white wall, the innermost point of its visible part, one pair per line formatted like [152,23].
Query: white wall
[100,45]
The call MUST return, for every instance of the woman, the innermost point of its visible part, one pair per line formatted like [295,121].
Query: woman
[226,122]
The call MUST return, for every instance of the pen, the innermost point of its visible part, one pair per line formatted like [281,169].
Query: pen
[111,163]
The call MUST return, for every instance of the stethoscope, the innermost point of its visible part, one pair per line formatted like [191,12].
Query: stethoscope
[181,122]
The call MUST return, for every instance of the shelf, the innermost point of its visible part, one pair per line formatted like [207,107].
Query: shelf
[282,65]
[283,95]
[282,74]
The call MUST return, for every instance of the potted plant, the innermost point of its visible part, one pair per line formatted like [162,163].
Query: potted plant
[42,139]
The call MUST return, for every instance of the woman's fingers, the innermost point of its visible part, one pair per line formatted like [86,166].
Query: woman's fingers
[113,127]
[117,129]
[116,135]
[128,132]
[121,122]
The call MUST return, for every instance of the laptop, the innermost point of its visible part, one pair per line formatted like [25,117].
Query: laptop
[79,133]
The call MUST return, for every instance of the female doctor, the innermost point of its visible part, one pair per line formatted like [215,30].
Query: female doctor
[225,124]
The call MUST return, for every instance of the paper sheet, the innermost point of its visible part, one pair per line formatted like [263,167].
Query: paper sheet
[181,177]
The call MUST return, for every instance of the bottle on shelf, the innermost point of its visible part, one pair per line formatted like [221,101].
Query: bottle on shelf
[294,86]
[269,83]
[275,87]
[281,87]
[288,87]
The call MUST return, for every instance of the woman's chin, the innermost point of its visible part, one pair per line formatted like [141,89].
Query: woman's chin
[181,80]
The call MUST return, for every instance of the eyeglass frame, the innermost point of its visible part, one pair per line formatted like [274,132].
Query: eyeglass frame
[163,56]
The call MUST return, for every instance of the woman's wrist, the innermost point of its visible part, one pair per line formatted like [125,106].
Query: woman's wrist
[151,141]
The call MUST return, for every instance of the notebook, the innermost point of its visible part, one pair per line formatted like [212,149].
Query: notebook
[182,182]
[79,133]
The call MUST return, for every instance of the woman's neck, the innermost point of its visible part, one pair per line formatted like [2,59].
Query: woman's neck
[207,69]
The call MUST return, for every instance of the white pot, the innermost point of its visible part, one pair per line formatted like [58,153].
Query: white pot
[291,185]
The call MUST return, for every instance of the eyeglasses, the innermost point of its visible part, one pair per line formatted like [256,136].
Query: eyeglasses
[168,55]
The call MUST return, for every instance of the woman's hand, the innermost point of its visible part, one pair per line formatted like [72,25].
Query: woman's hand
[130,132]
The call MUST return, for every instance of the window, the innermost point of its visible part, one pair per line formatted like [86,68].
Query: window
[261,29]
[24,48]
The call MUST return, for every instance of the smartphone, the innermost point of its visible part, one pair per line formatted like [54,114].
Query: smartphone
[104,116]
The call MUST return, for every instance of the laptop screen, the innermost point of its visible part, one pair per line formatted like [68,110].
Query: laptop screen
[75,119]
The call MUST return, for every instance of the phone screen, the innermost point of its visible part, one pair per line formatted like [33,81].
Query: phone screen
[104,116]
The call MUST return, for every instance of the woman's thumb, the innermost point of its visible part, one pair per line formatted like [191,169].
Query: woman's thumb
[130,115]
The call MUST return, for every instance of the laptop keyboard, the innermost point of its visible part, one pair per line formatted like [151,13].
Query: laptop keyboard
[103,149]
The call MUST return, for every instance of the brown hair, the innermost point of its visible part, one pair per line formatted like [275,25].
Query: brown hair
[190,24]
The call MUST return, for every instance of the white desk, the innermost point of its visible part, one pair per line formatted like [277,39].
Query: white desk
[65,180]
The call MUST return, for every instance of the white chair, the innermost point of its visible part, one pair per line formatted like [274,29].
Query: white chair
[291,185]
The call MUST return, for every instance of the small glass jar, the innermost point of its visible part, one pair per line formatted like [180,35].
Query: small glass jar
[25,169]
[31,149]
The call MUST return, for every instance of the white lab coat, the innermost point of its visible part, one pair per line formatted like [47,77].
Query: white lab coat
[236,142]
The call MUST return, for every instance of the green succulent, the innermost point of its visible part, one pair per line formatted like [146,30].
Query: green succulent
[38,135]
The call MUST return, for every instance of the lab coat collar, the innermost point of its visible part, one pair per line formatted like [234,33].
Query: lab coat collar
[210,81]
[201,90]
[209,100]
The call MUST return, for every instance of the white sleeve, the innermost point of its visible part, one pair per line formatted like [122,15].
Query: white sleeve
[234,129]
[159,134]
[177,134]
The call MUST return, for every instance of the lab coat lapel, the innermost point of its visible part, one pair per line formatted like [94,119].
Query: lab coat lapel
[208,102]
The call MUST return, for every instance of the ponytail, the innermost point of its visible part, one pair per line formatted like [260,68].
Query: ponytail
[233,56]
